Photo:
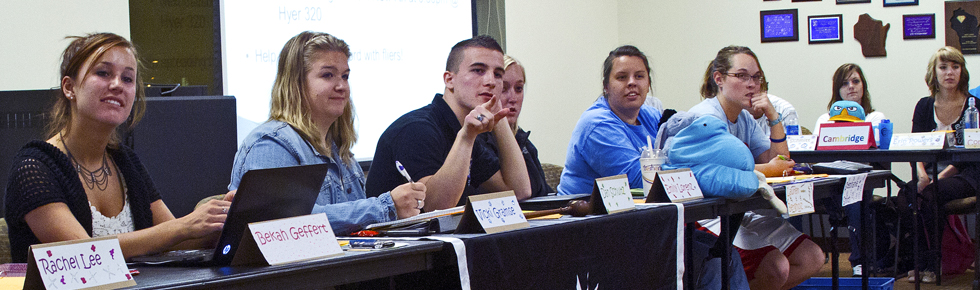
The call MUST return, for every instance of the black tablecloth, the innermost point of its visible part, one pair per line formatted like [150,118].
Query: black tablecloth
[631,250]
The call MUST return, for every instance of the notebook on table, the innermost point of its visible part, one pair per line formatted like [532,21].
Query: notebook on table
[263,194]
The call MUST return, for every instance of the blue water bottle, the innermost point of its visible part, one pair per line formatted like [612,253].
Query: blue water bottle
[885,130]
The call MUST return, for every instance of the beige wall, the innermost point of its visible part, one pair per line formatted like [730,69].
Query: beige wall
[563,44]
[32,36]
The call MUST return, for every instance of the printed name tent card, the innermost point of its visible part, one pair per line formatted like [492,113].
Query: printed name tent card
[920,141]
[80,264]
[611,195]
[799,198]
[288,240]
[801,142]
[853,189]
[971,138]
[844,136]
[492,213]
[676,185]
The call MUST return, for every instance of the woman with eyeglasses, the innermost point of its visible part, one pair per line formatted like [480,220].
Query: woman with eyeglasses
[774,254]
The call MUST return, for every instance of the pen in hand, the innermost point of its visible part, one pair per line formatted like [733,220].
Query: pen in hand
[401,169]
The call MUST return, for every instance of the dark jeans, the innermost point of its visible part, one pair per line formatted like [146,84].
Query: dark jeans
[882,236]
[952,188]
[710,268]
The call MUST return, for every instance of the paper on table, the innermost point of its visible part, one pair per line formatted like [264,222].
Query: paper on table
[418,218]
[12,283]
[545,217]
[794,178]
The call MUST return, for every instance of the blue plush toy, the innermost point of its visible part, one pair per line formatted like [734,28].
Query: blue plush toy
[724,168]
[849,111]
[723,165]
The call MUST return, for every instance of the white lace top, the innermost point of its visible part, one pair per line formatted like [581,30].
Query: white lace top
[107,226]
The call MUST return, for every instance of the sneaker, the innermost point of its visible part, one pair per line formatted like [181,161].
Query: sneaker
[857,271]
[927,276]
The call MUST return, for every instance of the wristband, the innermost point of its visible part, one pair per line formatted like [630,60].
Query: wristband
[778,140]
[776,121]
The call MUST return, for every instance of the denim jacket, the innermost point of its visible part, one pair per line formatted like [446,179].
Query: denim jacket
[275,144]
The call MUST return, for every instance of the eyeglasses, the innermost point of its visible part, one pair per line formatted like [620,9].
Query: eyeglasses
[758,78]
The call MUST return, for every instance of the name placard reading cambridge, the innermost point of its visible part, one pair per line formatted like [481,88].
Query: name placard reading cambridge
[846,136]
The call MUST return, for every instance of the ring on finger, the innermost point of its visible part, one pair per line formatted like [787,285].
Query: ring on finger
[420,204]
[480,118]
[224,210]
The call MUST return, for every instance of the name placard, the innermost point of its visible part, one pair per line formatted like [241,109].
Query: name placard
[799,198]
[846,135]
[80,264]
[612,195]
[801,142]
[853,189]
[676,185]
[492,213]
[918,141]
[971,138]
[288,240]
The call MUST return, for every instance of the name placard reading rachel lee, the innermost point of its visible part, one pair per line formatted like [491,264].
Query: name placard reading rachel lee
[918,141]
[799,198]
[295,239]
[840,136]
[853,189]
[971,138]
[680,184]
[498,212]
[80,264]
[615,193]
[801,142]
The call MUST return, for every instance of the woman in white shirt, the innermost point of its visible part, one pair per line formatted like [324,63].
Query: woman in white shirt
[850,85]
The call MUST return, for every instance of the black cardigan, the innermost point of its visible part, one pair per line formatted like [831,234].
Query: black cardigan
[42,174]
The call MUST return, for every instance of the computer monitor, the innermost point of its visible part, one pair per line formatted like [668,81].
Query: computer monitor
[169,90]
[187,145]
[23,116]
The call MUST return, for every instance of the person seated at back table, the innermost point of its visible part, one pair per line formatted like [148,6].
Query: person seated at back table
[775,255]
[944,109]
[512,100]
[849,84]
[608,137]
[312,122]
[81,182]
[437,143]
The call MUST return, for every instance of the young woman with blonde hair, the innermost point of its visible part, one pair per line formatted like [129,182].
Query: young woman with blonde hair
[312,122]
